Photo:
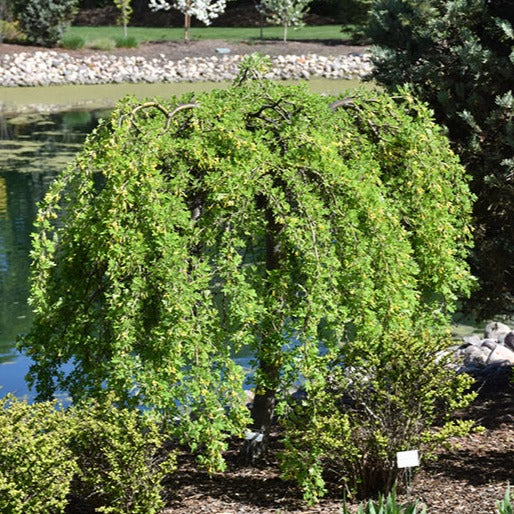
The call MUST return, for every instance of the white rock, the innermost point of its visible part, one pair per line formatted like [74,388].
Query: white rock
[501,356]
[475,356]
[494,329]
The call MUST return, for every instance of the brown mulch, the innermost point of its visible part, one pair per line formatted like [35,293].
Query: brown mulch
[176,50]
[470,478]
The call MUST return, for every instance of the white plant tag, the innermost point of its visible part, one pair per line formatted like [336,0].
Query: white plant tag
[408,459]
[254,436]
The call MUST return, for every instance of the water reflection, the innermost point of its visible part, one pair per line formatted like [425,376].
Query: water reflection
[33,149]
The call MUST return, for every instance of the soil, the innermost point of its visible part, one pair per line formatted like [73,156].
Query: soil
[470,478]
[176,50]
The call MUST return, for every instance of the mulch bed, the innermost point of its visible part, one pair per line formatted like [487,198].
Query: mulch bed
[470,478]
[176,50]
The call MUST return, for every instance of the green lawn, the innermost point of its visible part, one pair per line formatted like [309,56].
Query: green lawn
[143,34]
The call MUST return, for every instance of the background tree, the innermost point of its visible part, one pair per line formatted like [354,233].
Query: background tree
[203,10]
[457,56]
[188,229]
[125,11]
[44,21]
[288,13]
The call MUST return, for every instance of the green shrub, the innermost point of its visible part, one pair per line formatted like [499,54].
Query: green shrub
[505,506]
[126,42]
[120,459]
[72,42]
[10,32]
[44,22]
[103,43]
[36,465]
[384,395]
[105,457]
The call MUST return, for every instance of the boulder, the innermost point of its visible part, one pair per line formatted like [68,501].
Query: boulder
[508,341]
[501,356]
[494,329]
[475,356]
[471,340]
[489,343]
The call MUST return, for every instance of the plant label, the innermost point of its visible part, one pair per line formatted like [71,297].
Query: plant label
[408,459]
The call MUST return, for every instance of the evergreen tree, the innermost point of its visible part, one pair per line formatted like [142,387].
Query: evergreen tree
[458,56]
[44,22]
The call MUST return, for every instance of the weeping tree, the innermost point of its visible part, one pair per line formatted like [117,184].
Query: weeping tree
[262,216]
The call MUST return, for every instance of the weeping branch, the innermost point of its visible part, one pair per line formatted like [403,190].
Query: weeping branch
[169,115]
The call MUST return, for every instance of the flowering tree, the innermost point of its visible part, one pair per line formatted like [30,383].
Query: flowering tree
[285,12]
[203,10]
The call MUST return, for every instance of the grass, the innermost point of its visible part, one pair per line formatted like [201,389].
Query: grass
[143,34]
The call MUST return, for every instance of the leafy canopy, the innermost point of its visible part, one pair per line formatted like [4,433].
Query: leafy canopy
[261,216]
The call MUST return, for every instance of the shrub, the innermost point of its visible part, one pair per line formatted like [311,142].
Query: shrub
[36,465]
[44,21]
[10,32]
[120,458]
[73,42]
[126,42]
[104,457]
[384,395]
[103,43]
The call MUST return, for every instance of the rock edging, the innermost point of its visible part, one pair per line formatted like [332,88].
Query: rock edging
[489,357]
[45,68]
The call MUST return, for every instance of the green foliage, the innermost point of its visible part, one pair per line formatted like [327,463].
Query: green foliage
[104,44]
[288,13]
[385,394]
[259,216]
[126,42]
[10,32]
[457,55]
[108,458]
[125,12]
[72,42]
[36,467]
[505,506]
[44,22]
[386,505]
[120,458]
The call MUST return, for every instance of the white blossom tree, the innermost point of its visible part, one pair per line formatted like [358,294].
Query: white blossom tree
[285,12]
[203,10]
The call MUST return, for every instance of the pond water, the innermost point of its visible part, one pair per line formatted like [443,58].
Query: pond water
[33,149]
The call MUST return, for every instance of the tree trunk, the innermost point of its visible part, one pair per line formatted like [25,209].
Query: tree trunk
[187,26]
[269,363]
